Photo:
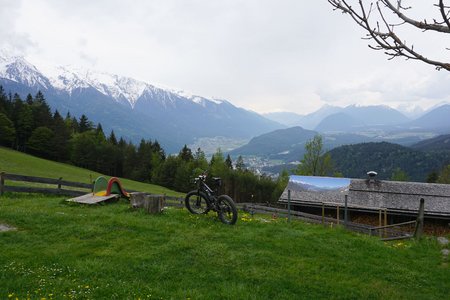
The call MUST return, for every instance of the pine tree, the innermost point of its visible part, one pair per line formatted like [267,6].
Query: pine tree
[229,162]
[240,166]
[62,134]
[99,132]
[186,154]
[41,111]
[7,130]
[84,124]
[112,138]
[29,99]
[40,142]
[25,126]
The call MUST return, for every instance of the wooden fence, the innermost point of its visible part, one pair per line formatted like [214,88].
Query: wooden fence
[387,232]
[58,187]
[53,186]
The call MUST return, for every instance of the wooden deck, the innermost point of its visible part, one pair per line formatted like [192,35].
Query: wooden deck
[91,199]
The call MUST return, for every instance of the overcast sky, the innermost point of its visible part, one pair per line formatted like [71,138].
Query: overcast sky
[263,55]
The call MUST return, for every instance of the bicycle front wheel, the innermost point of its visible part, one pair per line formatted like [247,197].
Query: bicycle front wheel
[227,210]
[196,203]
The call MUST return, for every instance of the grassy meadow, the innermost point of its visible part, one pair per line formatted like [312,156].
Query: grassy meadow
[19,163]
[68,251]
[61,250]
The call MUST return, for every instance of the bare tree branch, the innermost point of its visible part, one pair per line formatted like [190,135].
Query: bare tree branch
[383,33]
[418,24]
[443,13]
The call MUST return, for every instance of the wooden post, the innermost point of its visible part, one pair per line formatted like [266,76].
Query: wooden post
[345,211]
[418,232]
[2,183]
[289,206]
[385,220]
[59,183]
[337,213]
[380,218]
[323,213]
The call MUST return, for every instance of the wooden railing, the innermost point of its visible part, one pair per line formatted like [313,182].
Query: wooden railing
[58,189]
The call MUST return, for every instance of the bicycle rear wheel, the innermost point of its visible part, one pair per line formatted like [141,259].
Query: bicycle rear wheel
[227,210]
[196,203]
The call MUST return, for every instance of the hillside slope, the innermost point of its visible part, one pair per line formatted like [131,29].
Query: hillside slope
[19,163]
[355,161]
[439,143]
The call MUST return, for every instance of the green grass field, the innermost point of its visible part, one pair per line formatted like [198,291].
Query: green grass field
[19,163]
[68,251]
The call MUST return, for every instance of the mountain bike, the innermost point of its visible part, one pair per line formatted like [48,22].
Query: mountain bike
[204,199]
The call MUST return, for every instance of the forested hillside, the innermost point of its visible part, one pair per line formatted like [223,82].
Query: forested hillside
[385,158]
[29,126]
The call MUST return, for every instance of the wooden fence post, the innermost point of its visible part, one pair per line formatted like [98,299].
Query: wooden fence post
[380,222]
[323,213]
[289,206]
[337,214]
[420,218]
[59,183]
[345,211]
[2,183]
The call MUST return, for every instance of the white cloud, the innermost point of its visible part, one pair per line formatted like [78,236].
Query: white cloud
[263,55]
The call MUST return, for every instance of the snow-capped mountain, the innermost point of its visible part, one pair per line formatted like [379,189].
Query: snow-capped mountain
[132,108]
[17,69]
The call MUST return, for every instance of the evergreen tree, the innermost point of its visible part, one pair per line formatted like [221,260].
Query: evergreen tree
[229,162]
[25,126]
[41,142]
[7,131]
[166,172]
[62,134]
[5,104]
[83,146]
[200,164]
[186,154]
[84,124]
[73,125]
[112,138]
[240,166]
[99,132]
[16,108]
[29,99]
[41,111]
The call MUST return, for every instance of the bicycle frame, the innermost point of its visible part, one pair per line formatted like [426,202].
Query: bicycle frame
[211,195]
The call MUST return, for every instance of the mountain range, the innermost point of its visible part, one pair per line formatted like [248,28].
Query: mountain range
[136,110]
[132,108]
[349,125]
[354,118]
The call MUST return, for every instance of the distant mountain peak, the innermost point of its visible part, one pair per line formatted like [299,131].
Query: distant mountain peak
[18,69]
[70,78]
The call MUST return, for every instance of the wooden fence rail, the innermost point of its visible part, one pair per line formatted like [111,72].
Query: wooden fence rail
[388,234]
[57,190]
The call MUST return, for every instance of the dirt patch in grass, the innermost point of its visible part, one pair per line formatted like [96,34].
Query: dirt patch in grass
[5,227]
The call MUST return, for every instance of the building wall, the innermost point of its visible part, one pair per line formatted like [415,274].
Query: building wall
[374,194]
